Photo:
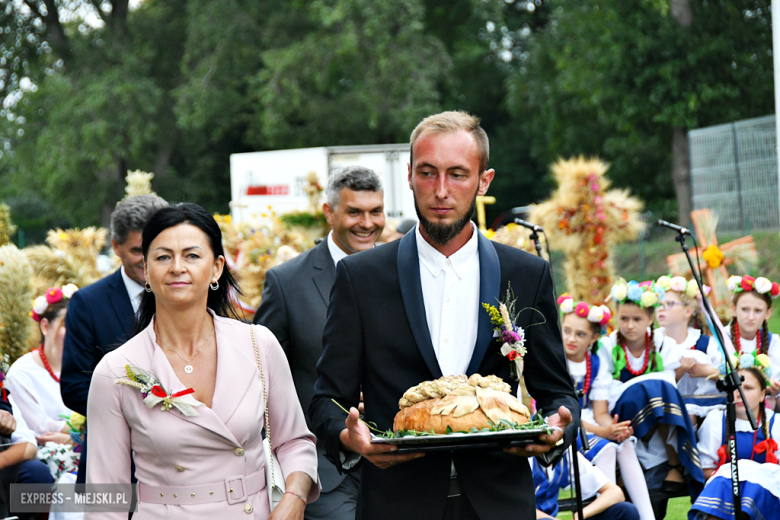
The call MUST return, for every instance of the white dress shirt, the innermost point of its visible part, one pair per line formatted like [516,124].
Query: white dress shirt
[336,253]
[450,288]
[134,291]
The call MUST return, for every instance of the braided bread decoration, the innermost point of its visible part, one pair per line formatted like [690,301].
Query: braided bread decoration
[459,402]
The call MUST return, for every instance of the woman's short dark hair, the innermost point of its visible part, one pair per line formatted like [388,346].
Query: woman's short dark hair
[219,301]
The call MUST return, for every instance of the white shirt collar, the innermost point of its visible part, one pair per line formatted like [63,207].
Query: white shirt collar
[134,290]
[336,253]
[434,261]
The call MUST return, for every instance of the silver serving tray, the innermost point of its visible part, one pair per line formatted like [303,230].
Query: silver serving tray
[460,441]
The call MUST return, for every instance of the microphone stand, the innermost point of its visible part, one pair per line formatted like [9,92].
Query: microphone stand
[583,436]
[535,237]
[730,383]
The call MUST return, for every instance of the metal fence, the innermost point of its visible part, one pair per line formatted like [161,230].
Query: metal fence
[734,173]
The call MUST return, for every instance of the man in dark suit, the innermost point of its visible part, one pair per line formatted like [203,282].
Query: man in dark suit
[295,302]
[101,316]
[410,311]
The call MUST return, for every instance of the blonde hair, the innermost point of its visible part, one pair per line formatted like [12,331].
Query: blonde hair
[695,320]
[452,121]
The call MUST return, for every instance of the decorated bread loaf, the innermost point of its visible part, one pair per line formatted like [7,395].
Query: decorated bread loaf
[460,402]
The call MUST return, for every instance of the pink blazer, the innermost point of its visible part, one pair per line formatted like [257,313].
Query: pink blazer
[224,441]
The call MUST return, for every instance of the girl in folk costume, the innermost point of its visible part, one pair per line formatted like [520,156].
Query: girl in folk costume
[34,381]
[609,441]
[751,308]
[682,329]
[757,451]
[643,388]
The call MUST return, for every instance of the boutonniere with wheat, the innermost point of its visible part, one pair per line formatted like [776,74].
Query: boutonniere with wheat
[506,332]
[153,392]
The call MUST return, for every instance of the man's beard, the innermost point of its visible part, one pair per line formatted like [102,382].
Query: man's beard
[442,234]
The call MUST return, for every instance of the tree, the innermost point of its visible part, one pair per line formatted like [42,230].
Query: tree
[626,80]
[175,86]
[99,101]
[357,72]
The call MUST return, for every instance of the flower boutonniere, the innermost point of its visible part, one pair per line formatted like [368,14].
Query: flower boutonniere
[511,337]
[154,393]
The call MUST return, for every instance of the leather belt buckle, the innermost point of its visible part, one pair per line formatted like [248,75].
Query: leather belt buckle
[231,491]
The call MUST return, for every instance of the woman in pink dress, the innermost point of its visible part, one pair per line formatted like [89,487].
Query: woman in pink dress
[185,395]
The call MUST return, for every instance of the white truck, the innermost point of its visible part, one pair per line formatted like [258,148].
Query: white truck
[261,182]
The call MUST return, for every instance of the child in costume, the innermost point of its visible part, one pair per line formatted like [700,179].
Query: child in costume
[609,504]
[643,389]
[34,380]
[751,307]
[682,328]
[757,452]
[610,441]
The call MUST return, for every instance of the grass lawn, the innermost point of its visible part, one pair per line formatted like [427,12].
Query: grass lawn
[677,510]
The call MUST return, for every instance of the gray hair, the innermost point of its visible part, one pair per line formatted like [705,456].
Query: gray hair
[132,214]
[356,178]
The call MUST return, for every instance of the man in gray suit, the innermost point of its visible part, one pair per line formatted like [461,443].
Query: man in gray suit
[295,304]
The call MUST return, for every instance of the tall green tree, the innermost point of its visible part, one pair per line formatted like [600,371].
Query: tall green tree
[175,86]
[626,80]
[358,72]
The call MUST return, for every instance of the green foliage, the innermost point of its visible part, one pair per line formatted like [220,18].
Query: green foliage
[614,78]
[358,72]
[176,86]
[304,219]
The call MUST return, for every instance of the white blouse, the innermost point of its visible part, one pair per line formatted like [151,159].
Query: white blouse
[749,345]
[600,389]
[694,385]
[711,435]
[669,357]
[36,395]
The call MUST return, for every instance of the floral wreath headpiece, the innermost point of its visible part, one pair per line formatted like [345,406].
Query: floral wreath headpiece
[761,285]
[645,294]
[52,296]
[681,285]
[593,313]
[743,361]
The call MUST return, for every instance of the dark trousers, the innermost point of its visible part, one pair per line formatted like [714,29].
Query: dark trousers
[458,506]
[620,511]
[32,472]
[338,504]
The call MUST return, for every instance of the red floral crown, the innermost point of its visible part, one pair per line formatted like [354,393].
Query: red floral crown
[761,285]
[593,313]
[53,296]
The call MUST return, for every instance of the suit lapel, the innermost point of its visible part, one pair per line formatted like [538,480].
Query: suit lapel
[414,305]
[324,271]
[207,418]
[489,289]
[120,301]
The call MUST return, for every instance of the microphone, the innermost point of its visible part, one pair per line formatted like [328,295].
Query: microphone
[528,225]
[679,229]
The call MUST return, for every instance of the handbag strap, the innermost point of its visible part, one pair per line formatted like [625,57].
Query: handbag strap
[265,402]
